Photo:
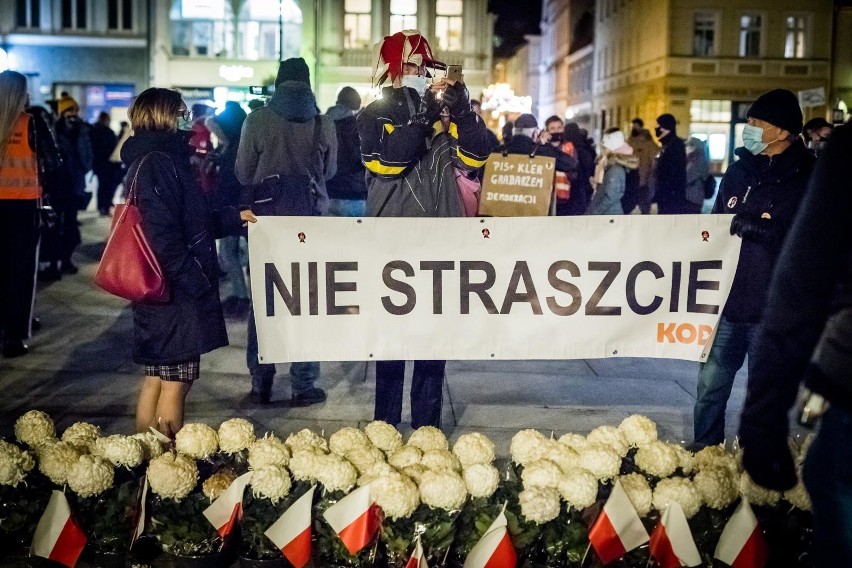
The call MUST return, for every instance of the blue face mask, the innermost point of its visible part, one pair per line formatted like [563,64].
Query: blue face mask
[184,124]
[753,139]
[416,82]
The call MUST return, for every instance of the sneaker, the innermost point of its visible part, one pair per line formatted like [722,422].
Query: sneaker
[311,396]
[16,348]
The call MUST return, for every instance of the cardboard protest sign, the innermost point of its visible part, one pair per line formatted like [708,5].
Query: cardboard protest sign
[517,185]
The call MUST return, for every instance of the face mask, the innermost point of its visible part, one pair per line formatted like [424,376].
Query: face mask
[659,132]
[753,139]
[416,82]
[184,124]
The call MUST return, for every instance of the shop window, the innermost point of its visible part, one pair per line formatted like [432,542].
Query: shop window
[710,111]
[403,15]
[74,14]
[28,13]
[357,22]
[750,29]
[448,24]
[120,15]
[704,35]
[794,45]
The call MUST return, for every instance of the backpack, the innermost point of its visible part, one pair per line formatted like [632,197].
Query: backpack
[631,192]
[709,186]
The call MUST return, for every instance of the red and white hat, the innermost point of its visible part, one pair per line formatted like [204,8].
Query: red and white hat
[393,52]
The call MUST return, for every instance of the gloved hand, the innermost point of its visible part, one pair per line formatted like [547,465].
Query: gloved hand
[750,226]
[429,110]
[457,100]
[769,463]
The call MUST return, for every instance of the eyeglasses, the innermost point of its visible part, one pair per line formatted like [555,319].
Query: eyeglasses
[185,114]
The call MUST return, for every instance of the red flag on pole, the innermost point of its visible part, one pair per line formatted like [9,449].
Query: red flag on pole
[57,536]
[356,519]
[742,544]
[618,529]
[225,511]
[291,533]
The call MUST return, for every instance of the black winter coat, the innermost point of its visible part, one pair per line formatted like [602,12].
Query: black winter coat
[181,229]
[670,177]
[349,181]
[764,193]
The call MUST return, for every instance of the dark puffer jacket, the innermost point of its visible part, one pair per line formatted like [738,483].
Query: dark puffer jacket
[181,229]
[764,193]
[348,182]
[670,177]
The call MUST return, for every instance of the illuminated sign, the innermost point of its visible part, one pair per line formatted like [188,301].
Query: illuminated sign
[235,73]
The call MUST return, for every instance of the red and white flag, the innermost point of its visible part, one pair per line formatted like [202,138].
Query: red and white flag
[494,549]
[291,533]
[418,558]
[618,529]
[139,526]
[225,511]
[356,519]
[742,544]
[57,536]
[672,545]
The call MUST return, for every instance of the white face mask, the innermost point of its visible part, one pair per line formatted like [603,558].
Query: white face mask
[416,82]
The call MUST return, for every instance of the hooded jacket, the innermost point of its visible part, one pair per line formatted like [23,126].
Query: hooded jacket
[670,176]
[607,197]
[279,138]
[348,182]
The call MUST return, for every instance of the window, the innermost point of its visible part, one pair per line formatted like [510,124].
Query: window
[403,15]
[120,15]
[448,24]
[356,24]
[28,13]
[750,28]
[704,35]
[794,45]
[74,15]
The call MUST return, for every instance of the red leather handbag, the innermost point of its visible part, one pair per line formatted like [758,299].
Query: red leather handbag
[128,268]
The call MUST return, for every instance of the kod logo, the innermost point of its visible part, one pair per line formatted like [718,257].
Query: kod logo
[685,333]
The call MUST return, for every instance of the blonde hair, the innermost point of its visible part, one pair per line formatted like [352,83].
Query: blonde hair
[13,100]
[155,110]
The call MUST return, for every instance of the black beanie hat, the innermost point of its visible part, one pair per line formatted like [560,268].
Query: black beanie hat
[349,98]
[667,121]
[293,69]
[780,108]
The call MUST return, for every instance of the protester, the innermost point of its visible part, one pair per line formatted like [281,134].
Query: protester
[347,190]
[506,134]
[646,150]
[492,138]
[526,139]
[697,170]
[201,146]
[763,190]
[611,171]
[553,134]
[816,133]
[104,142]
[804,337]
[180,227]
[411,174]
[255,104]
[576,146]
[278,140]
[670,174]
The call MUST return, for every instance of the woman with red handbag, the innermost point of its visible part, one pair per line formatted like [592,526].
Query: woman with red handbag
[180,228]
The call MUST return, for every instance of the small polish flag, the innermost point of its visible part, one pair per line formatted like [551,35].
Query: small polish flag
[57,536]
[494,549]
[140,512]
[356,519]
[291,533]
[418,559]
[618,529]
[672,545]
[742,544]
[227,509]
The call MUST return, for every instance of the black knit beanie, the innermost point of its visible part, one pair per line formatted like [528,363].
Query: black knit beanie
[293,69]
[349,98]
[667,121]
[780,108]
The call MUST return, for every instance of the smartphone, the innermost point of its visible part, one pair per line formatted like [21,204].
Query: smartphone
[454,72]
[263,91]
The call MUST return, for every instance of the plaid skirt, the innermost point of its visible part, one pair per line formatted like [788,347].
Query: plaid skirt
[182,372]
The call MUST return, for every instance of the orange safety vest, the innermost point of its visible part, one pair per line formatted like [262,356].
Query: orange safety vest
[18,164]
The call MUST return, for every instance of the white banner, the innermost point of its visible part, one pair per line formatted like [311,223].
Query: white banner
[345,289]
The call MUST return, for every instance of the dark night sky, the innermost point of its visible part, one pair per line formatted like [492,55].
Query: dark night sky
[514,19]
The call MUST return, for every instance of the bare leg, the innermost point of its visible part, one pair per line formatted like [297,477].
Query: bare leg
[170,407]
[146,407]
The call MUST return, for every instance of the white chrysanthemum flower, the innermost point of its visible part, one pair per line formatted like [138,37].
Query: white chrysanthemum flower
[578,487]
[638,430]
[35,429]
[442,490]
[541,473]
[218,483]
[565,457]
[428,438]
[14,464]
[305,463]
[197,440]
[539,504]
[798,496]
[656,458]
[685,458]
[377,470]
[270,482]
[415,472]
[55,460]
[172,475]
[81,435]
[151,445]
[396,494]
[383,436]
[405,456]
[269,450]
[609,436]
[574,441]
[120,450]
[714,456]
[718,486]
[481,479]
[90,476]
[364,457]
[600,461]
[235,435]
[527,446]
[335,473]
[347,439]
[441,459]
[474,448]
[638,491]
[677,489]
[757,494]
[22,458]
[306,440]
